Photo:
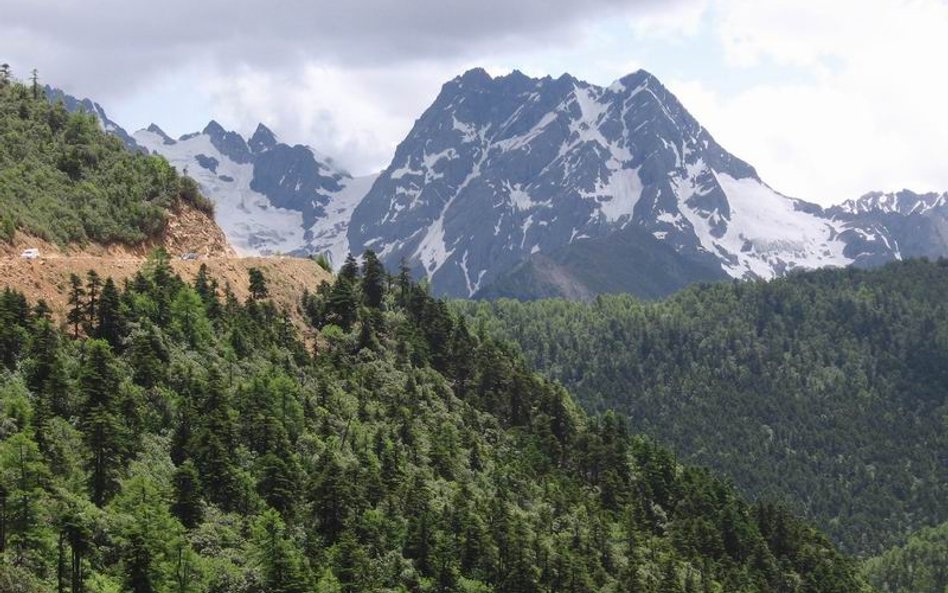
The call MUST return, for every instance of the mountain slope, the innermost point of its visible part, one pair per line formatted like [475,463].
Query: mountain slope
[270,197]
[500,168]
[896,225]
[198,445]
[627,261]
[63,180]
[825,389]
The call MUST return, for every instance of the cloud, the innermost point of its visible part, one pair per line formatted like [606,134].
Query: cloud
[127,41]
[827,99]
[356,116]
[868,115]
[347,77]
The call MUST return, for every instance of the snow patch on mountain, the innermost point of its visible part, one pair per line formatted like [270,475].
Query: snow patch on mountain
[269,197]
[766,235]
[252,224]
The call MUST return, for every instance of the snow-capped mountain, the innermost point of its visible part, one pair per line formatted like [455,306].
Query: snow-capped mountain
[269,197]
[515,186]
[498,169]
[881,227]
[905,202]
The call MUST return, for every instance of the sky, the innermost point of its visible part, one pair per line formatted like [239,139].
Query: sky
[827,99]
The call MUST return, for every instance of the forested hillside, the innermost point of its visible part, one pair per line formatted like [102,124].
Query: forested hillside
[919,566]
[826,389]
[64,180]
[173,439]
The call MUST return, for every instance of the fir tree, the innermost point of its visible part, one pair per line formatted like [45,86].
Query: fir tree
[373,280]
[110,324]
[258,285]
[76,313]
[93,287]
[187,505]
[101,424]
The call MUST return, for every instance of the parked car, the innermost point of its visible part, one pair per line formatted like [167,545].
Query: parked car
[189,256]
[31,253]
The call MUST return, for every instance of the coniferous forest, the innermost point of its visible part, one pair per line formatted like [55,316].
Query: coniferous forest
[173,439]
[826,390]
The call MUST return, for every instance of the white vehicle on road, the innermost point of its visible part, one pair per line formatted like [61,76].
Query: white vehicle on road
[31,253]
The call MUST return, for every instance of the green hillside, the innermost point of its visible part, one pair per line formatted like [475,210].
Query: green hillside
[194,443]
[65,180]
[918,566]
[826,389]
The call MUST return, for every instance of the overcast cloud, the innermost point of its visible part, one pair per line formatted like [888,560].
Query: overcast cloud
[827,99]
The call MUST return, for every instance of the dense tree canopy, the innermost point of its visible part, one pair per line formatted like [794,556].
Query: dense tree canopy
[918,566]
[187,442]
[826,389]
[65,180]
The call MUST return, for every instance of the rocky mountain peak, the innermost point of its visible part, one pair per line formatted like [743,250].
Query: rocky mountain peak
[263,139]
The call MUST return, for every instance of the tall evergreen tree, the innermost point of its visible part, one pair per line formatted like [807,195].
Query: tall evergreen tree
[93,288]
[373,280]
[258,285]
[76,313]
[187,505]
[280,560]
[100,420]
[110,324]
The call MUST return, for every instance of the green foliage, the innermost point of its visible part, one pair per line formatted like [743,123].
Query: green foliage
[825,390]
[918,566]
[323,262]
[258,285]
[200,446]
[65,180]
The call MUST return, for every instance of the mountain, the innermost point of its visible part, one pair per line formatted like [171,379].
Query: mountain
[498,169]
[895,226]
[825,389]
[503,181]
[270,197]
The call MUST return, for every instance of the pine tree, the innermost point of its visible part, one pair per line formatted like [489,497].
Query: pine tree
[187,505]
[76,313]
[93,287]
[278,481]
[280,561]
[343,304]
[373,280]
[23,472]
[34,78]
[47,379]
[110,324]
[215,445]
[258,285]
[349,564]
[102,427]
